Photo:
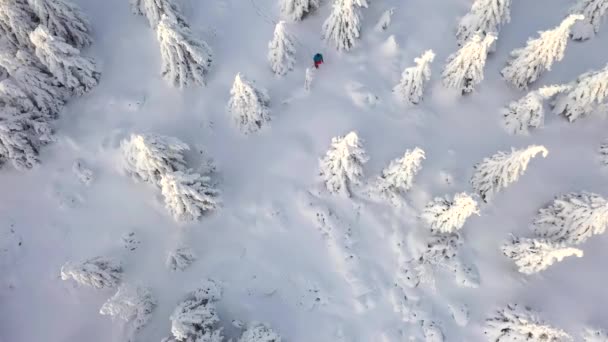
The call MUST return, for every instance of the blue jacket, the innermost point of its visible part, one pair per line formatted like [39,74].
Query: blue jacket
[318,58]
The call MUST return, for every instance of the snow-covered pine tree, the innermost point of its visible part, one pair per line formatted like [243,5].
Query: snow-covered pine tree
[77,73]
[185,59]
[399,175]
[248,105]
[281,50]
[464,68]
[585,95]
[343,26]
[63,19]
[411,87]
[298,9]
[99,272]
[485,16]
[153,10]
[341,168]
[148,157]
[259,333]
[188,196]
[514,323]
[308,78]
[21,137]
[132,304]
[180,258]
[443,215]
[595,335]
[572,218]
[534,255]
[529,111]
[17,20]
[528,63]
[385,20]
[593,10]
[500,170]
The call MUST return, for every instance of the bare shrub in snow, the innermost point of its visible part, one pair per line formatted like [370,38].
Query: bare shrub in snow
[534,255]
[594,11]
[572,218]
[185,59]
[500,170]
[585,95]
[281,50]
[98,272]
[464,69]
[528,63]
[180,258]
[153,10]
[17,20]
[343,26]
[399,175]
[595,335]
[298,9]
[341,168]
[132,304]
[63,19]
[248,105]
[77,73]
[443,215]
[514,323]
[485,16]
[385,20]
[188,196]
[259,333]
[529,111]
[147,157]
[411,87]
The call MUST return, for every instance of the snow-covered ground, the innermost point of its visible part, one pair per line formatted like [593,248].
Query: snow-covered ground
[312,265]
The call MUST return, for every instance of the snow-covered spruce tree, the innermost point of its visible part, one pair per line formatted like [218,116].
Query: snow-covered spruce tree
[500,170]
[341,168]
[21,137]
[248,105]
[443,215]
[77,73]
[593,10]
[485,16]
[514,323]
[132,304]
[281,50]
[464,69]
[153,10]
[572,218]
[63,19]
[17,20]
[534,255]
[148,157]
[180,258]
[185,59]
[343,26]
[585,94]
[259,333]
[298,9]
[529,112]
[528,63]
[385,20]
[99,272]
[595,335]
[399,175]
[411,87]
[188,196]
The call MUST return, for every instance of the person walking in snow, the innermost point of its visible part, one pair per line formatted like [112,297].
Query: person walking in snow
[318,59]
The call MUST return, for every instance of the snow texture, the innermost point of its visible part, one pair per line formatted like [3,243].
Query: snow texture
[298,9]
[309,78]
[343,27]
[514,323]
[603,152]
[82,172]
[502,169]
[248,105]
[528,63]
[413,80]
[584,96]
[98,272]
[385,20]
[132,304]
[342,166]
[259,333]
[281,50]
[595,335]
[534,255]
[130,241]
[188,196]
[464,69]
[529,111]
[154,10]
[398,176]
[17,20]
[485,16]
[63,19]
[180,259]
[594,12]
[443,215]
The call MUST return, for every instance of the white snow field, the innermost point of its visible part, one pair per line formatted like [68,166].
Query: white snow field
[312,265]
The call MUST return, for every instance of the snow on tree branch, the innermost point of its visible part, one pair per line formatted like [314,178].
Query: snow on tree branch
[528,63]
[180,258]
[341,168]
[132,304]
[248,105]
[98,272]
[485,16]
[17,20]
[572,218]
[399,175]
[185,59]
[585,95]
[594,11]
[464,68]
[443,215]
[514,323]
[529,111]
[259,333]
[413,80]
[77,73]
[343,27]
[188,196]
[502,169]
[63,19]
[534,255]
[281,50]
[298,9]
[385,20]
[154,10]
